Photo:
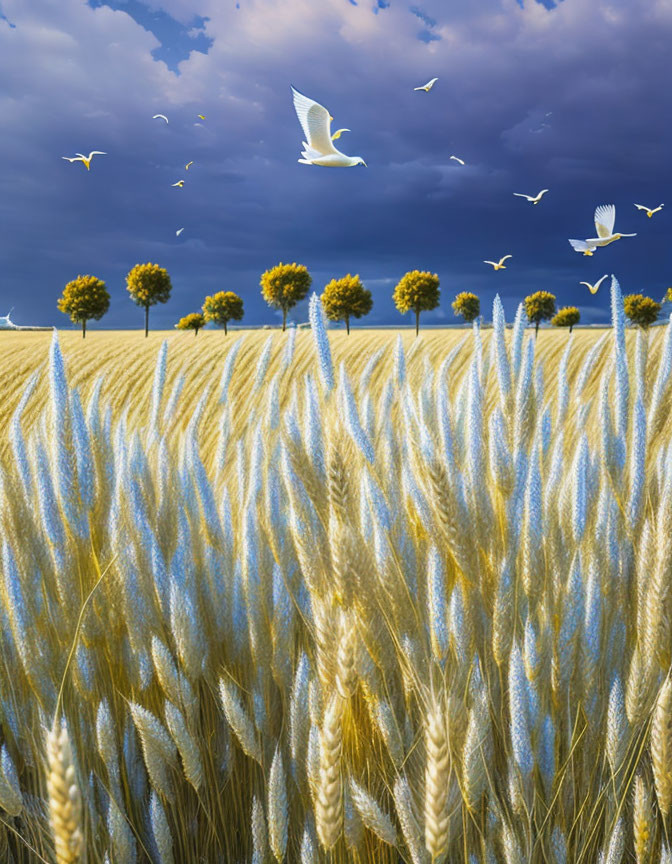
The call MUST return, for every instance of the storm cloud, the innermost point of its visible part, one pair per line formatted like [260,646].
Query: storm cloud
[570,96]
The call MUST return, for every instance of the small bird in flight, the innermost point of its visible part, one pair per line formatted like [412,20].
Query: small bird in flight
[179,183]
[186,167]
[499,265]
[160,117]
[605,216]
[593,288]
[582,246]
[457,159]
[201,116]
[319,147]
[533,199]
[179,231]
[648,210]
[428,86]
[80,157]
[337,134]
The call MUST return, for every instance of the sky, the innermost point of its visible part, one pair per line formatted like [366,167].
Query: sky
[572,96]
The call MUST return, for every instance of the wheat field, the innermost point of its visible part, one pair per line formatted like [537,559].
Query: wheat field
[306,597]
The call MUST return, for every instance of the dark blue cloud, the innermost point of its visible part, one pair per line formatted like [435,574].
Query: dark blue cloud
[4,18]
[549,4]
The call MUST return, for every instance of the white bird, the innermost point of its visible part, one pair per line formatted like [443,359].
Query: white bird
[594,288]
[499,265]
[428,86]
[533,199]
[337,134]
[319,149]
[457,159]
[179,231]
[186,167]
[605,216]
[80,157]
[160,117]
[582,246]
[179,183]
[649,210]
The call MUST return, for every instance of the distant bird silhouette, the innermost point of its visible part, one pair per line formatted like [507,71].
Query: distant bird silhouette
[594,288]
[85,159]
[649,210]
[533,199]
[428,86]
[160,117]
[499,265]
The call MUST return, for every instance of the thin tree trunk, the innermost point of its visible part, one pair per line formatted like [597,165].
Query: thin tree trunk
[284,318]
[146,321]
[417,321]
[84,329]
[195,331]
[536,328]
[347,324]
[225,327]
[571,327]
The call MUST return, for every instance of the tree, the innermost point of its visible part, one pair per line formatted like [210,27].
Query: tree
[84,298]
[539,307]
[284,285]
[641,310]
[223,307]
[467,305]
[194,322]
[668,294]
[568,316]
[344,298]
[148,284]
[419,291]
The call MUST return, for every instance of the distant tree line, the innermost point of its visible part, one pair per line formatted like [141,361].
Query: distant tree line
[86,298]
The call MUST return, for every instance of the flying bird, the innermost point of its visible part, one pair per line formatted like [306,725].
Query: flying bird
[179,231]
[319,148]
[648,210]
[428,86]
[160,117]
[499,265]
[186,167]
[179,183]
[533,199]
[605,216]
[582,246]
[457,159]
[594,288]
[201,116]
[337,134]
[80,157]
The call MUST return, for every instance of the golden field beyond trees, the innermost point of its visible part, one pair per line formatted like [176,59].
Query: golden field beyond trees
[306,597]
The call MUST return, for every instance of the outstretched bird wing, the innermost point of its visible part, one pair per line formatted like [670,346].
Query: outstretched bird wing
[160,117]
[523,195]
[579,245]
[505,258]
[641,207]
[315,121]
[605,216]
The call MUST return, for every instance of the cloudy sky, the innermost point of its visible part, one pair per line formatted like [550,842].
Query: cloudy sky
[572,96]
